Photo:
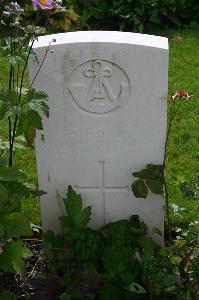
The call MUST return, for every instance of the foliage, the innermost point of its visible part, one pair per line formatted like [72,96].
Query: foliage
[58,19]
[150,178]
[23,109]
[118,261]
[6,295]
[136,15]
[13,224]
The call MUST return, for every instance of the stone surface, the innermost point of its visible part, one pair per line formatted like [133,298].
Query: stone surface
[107,98]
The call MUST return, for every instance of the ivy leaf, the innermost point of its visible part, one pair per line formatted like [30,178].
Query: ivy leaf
[11,260]
[77,218]
[155,186]
[139,189]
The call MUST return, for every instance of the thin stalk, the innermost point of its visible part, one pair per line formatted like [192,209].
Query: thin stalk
[174,113]
[24,69]
[20,94]
[9,122]
[42,62]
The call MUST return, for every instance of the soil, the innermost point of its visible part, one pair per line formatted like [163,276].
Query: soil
[34,265]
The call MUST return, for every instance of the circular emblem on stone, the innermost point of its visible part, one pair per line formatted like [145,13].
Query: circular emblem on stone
[99,86]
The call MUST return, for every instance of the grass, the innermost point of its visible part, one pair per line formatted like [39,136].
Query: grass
[183,148]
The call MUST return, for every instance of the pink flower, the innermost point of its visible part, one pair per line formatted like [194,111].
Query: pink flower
[42,4]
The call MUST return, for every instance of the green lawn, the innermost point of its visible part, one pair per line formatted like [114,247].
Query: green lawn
[183,148]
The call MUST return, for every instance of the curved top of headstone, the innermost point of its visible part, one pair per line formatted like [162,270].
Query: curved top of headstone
[102,37]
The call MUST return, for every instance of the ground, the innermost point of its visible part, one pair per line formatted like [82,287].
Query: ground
[183,152]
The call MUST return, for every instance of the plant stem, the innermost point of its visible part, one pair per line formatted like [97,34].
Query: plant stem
[24,69]
[174,113]
[10,123]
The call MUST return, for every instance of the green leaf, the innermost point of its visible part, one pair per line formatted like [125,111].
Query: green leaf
[144,174]
[15,225]
[3,162]
[38,102]
[111,291]
[165,279]
[3,192]
[156,230]
[28,123]
[155,186]
[139,189]
[34,119]
[136,288]
[22,123]
[157,171]
[146,243]
[7,110]
[30,134]
[1,234]
[77,218]
[9,104]
[175,260]
[10,174]
[11,260]
[6,295]
[137,225]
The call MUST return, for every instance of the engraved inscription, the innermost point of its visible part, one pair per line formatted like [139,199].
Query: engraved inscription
[108,137]
[99,86]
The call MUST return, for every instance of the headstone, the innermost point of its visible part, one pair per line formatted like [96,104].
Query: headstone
[108,101]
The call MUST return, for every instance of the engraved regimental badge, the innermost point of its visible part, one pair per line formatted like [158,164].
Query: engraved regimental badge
[99,86]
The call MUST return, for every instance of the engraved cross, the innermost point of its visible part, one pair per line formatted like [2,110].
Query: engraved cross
[102,187]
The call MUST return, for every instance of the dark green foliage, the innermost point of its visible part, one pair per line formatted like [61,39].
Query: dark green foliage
[151,178]
[13,224]
[28,107]
[6,295]
[118,261]
[77,218]
[137,15]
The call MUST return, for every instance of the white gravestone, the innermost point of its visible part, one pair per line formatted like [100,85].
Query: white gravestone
[108,101]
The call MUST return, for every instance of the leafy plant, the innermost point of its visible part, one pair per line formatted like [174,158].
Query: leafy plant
[134,15]
[151,178]
[13,224]
[118,261]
